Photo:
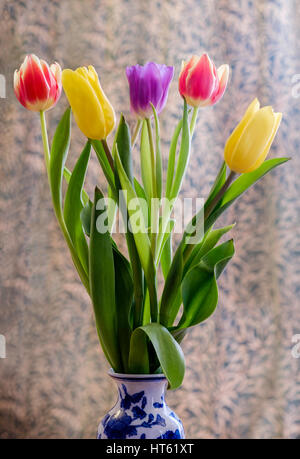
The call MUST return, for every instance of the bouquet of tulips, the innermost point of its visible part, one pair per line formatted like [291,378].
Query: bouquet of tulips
[139,332]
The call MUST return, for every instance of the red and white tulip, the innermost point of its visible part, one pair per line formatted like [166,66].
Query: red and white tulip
[37,85]
[200,83]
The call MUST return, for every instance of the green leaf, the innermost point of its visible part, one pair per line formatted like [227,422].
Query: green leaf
[217,258]
[85,217]
[158,158]
[171,297]
[139,189]
[59,153]
[146,167]
[58,156]
[199,287]
[172,159]
[166,256]
[240,185]
[140,192]
[138,279]
[123,141]
[184,153]
[245,181]
[102,286]
[200,296]
[67,175]
[112,208]
[104,163]
[123,146]
[124,297]
[208,242]
[73,206]
[179,335]
[146,309]
[180,171]
[168,352]
[141,238]
[166,251]
[169,306]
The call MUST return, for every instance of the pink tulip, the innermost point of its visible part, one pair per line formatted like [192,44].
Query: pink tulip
[200,83]
[37,86]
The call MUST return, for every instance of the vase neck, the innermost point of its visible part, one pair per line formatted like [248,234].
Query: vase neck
[133,390]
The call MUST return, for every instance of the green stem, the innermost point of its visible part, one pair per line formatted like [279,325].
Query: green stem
[152,152]
[154,188]
[83,275]
[182,163]
[166,210]
[67,173]
[136,132]
[138,280]
[108,154]
[219,195]
[187,251]
[209,209]
[166,215]
[193,121]
[190,247]
[45,140]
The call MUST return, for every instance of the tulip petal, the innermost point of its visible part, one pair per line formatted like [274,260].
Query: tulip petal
[56,72]
[185,68]
[108,111]
[17,87]
[201,79]
[36,86]
[233,140]
[133,80]
[223,75]
[166,74]
[260,160]
[150,88]
[85,104]
[254,140]
[46,72]
[54,82]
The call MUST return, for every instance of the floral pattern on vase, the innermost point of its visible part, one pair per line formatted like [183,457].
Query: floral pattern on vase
[141,411]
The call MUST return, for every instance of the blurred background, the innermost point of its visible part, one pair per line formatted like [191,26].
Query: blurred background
[242,380]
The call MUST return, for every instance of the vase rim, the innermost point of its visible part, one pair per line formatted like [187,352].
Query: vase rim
[137,377]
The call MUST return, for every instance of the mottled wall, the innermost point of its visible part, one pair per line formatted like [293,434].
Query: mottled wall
[241,379]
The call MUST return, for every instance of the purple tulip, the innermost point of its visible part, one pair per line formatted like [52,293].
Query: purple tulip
[148,84]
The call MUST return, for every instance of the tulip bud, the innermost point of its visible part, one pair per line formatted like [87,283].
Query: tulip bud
[250,142]
[148,84]
[37,86]
[200,83]
[92,111]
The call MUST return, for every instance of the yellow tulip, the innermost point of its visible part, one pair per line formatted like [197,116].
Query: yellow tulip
[249,144]
[93,112]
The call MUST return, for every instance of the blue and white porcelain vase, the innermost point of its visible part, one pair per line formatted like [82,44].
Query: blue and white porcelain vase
[141,411]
